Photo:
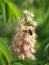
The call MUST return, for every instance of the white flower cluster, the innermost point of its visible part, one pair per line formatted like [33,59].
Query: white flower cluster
[29,18]
[24,40]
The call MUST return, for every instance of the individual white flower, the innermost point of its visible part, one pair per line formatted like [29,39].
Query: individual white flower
[22,20]
[25,11]
[34,23]
[21,56]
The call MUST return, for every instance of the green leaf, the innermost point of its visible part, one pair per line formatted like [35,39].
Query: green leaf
[3,10]
[10,11]
[47,64]
[18,63]
[5,50]
[14,9]
[27,61]
[0,58]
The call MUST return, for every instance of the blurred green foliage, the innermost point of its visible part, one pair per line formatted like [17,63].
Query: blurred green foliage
[10,13]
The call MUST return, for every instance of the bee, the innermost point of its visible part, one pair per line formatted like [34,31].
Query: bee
[28,31]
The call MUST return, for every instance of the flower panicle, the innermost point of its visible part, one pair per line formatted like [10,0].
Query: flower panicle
[24,41]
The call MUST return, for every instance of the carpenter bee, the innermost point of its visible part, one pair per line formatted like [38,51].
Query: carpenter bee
[28,31]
